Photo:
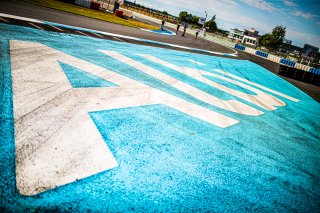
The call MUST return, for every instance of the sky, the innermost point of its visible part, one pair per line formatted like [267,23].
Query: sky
[300,17]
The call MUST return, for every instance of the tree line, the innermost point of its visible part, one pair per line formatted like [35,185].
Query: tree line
[186,17]
[273,40]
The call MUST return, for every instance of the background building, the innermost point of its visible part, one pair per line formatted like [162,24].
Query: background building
[236,34]
[251,37]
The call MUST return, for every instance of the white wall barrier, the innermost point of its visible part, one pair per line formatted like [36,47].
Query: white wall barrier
[250,50]
[302,67]
[274,58]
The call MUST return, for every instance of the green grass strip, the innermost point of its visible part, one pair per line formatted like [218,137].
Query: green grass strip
[91,13]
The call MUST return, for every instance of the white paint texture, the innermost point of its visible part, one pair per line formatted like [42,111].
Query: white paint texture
[196,62]
[230,105]
[261,99]
[56,141]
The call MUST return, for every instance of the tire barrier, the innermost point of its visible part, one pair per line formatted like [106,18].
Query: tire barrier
[119,13]
[262,54]
[302,67]
[287,62]
[250,50]
[297,74]
[83,3]
[274,58]
[239,47]
[69,1]
[314,71]
[95,6]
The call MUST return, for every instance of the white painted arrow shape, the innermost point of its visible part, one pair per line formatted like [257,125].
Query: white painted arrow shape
[230,105]
[56,141]
[261,98]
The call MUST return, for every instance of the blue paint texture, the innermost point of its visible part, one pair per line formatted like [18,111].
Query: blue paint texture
[168,160]
[79,78]
[163,32]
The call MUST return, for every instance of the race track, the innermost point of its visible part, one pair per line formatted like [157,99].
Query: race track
[92,124]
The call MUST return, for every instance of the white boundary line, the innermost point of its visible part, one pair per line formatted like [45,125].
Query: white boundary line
[20,18]
[115,35]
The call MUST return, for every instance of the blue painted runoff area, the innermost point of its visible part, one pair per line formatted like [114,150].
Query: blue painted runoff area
[168,160]
[165,32]
[287,62]
[79,78]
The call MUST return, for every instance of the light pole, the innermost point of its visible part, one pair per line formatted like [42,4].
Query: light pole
[205,19]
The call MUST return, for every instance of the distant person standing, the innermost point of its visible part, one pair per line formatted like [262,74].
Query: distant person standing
[116,6]
[197,32]
[184,28]
[178,27]
[162,25]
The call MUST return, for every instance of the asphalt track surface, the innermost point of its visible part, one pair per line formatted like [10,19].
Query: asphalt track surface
[18,8]
[47,14]
[91,124]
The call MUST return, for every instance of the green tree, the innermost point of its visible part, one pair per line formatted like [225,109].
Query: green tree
[273,40]
[212,25]
[266,40]
[184,16]
[165,13]
[189,18]
[278,34]
[195,20]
